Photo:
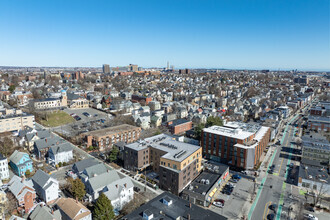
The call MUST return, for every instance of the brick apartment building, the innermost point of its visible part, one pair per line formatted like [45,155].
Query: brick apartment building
[176,163]
[104,138]
[237,144]
[179,126]
[138,98]
[319,118]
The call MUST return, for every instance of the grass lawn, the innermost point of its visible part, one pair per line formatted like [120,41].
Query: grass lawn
[56,119]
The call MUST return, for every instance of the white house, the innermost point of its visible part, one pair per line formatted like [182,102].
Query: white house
[4,172]
[45,186]
[120,192]
[60,153]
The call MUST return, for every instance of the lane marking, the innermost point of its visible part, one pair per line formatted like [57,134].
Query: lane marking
[264,216]
[279,210]
[279,170]
[264,179]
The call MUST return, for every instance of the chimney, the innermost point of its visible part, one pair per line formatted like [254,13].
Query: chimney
[46,140]
[188,216]
[116,185]
[52,212]
[190,205]
[125,185]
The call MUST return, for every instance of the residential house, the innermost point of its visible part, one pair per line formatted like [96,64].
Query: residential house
[42,146]
[46,186]
[92,171]
[20,162]
[73,210]
[80,166]
[42,212]
[60,153]
[97,184]
[120,192]
[23,191]
[4,172]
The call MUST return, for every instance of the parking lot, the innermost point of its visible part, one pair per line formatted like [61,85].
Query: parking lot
[240,195]
[95,120]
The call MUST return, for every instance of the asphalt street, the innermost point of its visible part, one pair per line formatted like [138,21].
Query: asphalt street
[273,189]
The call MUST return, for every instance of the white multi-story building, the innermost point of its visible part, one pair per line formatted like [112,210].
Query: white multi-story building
[15,120]
[4,172]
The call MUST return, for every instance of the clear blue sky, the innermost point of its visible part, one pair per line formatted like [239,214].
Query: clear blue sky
[285,34]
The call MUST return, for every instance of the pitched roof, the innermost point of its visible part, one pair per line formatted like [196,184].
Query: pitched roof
[17,156]
[16,185]
[47,142]
[41,178]
[96,169]
[116,187]
[65,147]
[71,208]
[103,180]
[44,213]
[2,157]
[81,165]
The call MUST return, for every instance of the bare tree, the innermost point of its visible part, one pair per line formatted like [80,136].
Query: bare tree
[319,194]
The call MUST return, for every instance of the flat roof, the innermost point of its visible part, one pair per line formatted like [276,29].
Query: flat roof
[313,173]
[238,130]
[176,150]
[203,183]
[110,130]
[178,122]
[178,208]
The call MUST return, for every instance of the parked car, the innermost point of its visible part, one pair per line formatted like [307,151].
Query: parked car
[310,208]
[233,180]
[273,207]
[220,200]
[136,189]
[310,217]
[236,176]
[271,216]
[70,173]
[218,204]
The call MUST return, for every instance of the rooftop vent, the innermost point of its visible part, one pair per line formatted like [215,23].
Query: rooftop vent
[147,214]
[167,201]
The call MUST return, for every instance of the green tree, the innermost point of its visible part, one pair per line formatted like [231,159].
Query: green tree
[214,121]
[113,154]
[77,189]
[103,209]
[27,173]
[11,88]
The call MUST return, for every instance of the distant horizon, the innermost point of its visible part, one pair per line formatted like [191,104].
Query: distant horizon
[209,68]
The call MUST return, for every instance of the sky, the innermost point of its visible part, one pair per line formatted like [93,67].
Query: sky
[243,34]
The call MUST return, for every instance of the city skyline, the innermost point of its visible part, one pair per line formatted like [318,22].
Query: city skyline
[199,34]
